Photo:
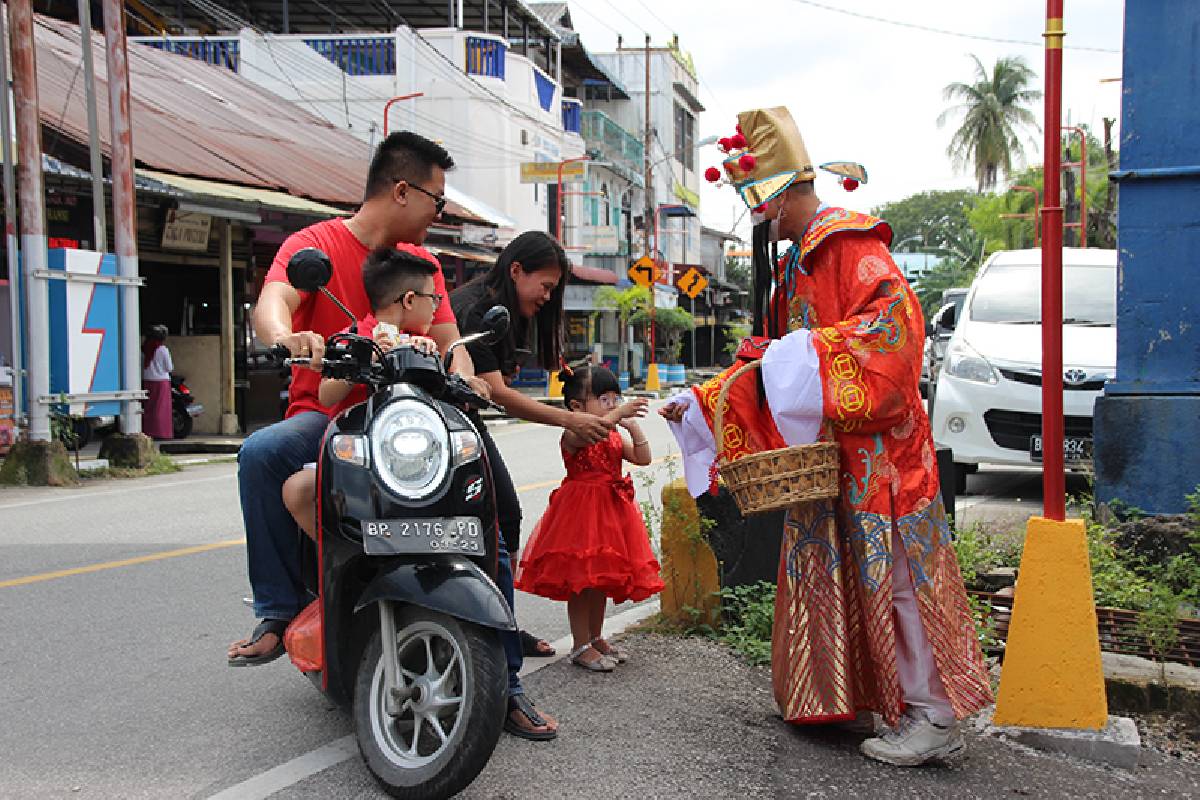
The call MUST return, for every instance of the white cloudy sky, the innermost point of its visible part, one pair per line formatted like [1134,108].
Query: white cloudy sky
[862,90]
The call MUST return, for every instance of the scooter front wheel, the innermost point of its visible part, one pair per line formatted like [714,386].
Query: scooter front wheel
[447,716]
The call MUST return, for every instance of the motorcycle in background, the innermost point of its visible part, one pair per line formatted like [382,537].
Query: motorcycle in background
[184,408]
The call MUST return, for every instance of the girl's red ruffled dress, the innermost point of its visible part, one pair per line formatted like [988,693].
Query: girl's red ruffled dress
[592,535]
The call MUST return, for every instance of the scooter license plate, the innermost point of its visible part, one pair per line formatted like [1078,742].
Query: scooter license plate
[422,536]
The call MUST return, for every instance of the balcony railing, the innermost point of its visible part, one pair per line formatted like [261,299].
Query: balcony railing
[572,111]
[614,142]
[485,57]
[371,55]
[218,52]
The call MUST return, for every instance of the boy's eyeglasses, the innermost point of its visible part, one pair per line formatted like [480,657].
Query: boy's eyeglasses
[439,202]
[434,298]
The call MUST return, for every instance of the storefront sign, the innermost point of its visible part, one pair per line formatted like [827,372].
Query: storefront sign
[687,195]
[186,230]
[478,234]
[547,171]
[85,330]
[602,239]
[579,297]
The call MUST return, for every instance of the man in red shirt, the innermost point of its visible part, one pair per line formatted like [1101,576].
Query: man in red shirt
[404,195]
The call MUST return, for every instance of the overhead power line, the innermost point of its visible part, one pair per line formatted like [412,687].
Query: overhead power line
[942,31]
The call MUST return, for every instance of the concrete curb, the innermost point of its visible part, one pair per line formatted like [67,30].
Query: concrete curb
[1118,744]
[614,626]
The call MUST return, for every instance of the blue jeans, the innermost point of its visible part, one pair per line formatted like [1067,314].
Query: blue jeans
[511,640]
[268,458]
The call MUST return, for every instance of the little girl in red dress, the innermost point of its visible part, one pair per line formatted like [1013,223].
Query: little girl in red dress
[591,544]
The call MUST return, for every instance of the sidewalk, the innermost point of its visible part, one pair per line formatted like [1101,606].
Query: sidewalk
[686,718]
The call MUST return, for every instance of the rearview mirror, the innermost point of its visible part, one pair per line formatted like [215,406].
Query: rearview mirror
[309,269]
[945,318]
[495,324]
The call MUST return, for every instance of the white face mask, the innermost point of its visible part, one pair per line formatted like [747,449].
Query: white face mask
[757,219]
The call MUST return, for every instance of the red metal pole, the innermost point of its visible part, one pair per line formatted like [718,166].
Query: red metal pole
[32,202]
[1053,475]
[558,196]
[388,105]
[1036,210]
[124,205]
[1082,182]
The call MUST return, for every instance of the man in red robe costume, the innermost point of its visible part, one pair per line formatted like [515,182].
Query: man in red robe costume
[871,614]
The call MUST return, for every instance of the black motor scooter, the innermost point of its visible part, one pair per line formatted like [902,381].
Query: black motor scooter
[406,626]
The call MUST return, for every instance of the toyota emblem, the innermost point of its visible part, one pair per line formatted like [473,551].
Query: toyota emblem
[1075,376]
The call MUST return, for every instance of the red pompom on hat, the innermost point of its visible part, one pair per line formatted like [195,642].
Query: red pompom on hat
[738,141]
[724,143]
[747,162]
[849,184]
[712,174]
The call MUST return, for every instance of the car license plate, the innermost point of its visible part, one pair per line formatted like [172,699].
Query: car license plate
[1076,449]
[389,537]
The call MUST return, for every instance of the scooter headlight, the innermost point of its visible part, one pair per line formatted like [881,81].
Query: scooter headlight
[410,448]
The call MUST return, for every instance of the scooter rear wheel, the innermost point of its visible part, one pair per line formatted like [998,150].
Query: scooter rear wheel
[448,727]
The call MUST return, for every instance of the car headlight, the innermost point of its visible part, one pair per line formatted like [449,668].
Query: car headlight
[963,362]
[410,448]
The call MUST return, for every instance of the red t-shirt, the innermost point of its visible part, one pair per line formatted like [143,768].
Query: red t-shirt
[317,314]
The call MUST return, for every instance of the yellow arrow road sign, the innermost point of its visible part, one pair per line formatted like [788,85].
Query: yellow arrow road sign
[692,283]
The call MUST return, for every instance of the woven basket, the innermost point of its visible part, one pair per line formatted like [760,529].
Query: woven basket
[775,479]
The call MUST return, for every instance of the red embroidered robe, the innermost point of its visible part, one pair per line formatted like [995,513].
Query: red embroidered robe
[834,641]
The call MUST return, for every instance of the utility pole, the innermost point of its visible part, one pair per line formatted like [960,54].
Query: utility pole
[647,140]
[124,207]
[99,223]
[33,217]
[15,284]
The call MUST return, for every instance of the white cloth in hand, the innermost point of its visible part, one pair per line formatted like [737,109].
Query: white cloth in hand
[696,443]
[791,375]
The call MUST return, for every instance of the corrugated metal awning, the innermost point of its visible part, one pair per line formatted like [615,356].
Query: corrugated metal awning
[264,198]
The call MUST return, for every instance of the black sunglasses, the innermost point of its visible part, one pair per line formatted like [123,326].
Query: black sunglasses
[439,202]
[434,297]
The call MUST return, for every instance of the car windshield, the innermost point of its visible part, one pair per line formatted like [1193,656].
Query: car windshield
[1012,293]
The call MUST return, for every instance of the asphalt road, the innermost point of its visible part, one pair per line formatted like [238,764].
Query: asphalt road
[117,601]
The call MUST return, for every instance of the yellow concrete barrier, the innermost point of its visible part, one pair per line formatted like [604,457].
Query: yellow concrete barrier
[689,566]
[1052,675]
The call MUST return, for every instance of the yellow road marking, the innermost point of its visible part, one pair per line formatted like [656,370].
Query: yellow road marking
[202,548]
[125,562]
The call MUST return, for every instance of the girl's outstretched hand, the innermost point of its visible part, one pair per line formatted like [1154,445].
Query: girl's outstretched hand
[635,408]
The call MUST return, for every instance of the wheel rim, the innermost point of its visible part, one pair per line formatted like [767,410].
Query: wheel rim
[433,667]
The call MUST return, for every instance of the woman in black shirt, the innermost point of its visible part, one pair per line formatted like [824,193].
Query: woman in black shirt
[528,278]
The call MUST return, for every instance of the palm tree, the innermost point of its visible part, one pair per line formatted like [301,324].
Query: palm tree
[994,111]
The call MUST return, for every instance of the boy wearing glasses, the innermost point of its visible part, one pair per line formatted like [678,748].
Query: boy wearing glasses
[400,287]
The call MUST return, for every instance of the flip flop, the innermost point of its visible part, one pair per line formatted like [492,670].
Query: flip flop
[531,646]
[275,626]
[519,702]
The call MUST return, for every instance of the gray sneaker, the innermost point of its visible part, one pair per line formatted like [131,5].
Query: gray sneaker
[915,741]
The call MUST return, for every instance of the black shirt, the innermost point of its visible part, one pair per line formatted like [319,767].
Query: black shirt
[470,302]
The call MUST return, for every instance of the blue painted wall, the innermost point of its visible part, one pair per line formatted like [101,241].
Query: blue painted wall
[1148,421]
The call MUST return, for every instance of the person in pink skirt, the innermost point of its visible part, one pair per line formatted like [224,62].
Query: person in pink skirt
[156,380]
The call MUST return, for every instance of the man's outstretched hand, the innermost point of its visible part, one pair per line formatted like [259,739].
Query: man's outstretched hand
[672,412]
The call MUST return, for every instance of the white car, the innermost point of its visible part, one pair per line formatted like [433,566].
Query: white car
[989,398]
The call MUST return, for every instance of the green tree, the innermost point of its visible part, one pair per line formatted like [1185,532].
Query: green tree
[994,110]
[929,221]
[626,302]
[946,274]
[669,324]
